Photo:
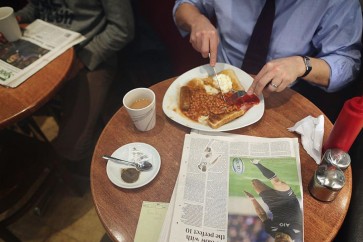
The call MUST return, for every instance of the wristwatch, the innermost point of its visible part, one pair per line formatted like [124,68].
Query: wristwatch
[308,67]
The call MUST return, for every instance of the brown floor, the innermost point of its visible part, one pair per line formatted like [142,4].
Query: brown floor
[66,215]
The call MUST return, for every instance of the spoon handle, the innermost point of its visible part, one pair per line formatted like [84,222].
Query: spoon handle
[107,157]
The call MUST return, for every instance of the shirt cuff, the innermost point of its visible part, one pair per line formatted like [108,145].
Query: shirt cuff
[341,72]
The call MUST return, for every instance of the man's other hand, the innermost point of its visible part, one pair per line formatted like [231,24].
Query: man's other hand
[3,40]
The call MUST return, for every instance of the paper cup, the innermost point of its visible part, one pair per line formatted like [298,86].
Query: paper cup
[140,105]
[9,27]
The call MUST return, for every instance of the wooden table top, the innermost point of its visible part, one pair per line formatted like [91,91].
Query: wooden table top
[119,209]
[18,103]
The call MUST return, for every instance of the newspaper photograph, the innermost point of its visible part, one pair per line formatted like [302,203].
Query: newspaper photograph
[264,204]
[236,188]
[40,43]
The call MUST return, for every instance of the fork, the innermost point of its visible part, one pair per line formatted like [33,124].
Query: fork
[235,96]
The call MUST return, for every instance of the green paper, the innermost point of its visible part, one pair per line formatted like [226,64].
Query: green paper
[150,221]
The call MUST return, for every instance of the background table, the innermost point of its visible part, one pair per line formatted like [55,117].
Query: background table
[28,186]
[119,208]
[22,101]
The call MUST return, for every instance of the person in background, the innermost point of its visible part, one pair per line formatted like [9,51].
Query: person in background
[326,32]
[108,26]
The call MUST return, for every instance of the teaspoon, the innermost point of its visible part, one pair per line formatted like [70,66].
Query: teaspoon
[141,166]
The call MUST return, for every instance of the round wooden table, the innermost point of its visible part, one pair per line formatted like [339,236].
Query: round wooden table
[119,209]
[38,167]
[20,102]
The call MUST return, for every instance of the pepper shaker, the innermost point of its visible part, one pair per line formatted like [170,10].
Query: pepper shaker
[326,183]
[337,158]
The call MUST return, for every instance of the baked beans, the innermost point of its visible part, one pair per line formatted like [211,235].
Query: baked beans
[204,104]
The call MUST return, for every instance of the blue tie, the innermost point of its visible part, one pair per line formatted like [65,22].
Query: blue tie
[256,54]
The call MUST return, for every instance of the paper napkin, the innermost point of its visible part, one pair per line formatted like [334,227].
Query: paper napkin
[312,131]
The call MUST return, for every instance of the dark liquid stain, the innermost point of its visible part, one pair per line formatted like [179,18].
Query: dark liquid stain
[130,175]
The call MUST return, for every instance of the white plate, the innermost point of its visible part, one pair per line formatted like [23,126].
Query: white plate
[113,169]
[171,99]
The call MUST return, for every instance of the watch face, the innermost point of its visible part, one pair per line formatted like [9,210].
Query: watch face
[307,63]
[308,66]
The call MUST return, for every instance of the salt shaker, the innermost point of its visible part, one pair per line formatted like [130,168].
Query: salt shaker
[337,158]
[326,183]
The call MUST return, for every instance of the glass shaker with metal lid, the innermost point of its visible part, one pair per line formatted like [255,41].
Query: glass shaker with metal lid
[326,183]
[337,157]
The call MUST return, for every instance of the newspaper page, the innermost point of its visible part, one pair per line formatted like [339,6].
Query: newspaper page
[41,43]
[236,188]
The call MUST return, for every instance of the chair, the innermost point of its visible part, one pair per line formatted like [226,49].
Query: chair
[157,52]
[352,228]
[24,177]
[159,15]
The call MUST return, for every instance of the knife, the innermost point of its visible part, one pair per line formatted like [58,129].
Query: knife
[217,78]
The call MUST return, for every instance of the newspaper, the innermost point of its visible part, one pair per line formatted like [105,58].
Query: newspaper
[41,43]
[221,182]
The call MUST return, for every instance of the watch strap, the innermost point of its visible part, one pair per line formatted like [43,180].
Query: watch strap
[308,66]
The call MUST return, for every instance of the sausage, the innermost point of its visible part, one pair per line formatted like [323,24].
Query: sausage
[184,98]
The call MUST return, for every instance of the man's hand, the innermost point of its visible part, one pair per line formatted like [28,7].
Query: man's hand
[77,66]
[277,74]
[204,38]
[203,35]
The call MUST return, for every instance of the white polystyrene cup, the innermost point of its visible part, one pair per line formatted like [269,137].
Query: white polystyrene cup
[144,118]
[9,27]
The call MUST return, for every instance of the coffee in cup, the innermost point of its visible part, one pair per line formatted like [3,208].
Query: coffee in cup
[140,105]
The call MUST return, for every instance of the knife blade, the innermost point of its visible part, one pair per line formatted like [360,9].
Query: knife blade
[217,78]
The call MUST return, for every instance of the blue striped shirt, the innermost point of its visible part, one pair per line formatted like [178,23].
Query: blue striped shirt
[326,29]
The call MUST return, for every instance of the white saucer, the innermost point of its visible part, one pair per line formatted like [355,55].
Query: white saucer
[113,169]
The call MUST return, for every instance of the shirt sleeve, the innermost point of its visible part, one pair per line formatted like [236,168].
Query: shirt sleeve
[338,40]
[204,8]
[117,33]
[28,13]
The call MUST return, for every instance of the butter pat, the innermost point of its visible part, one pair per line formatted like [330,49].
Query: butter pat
[225,82]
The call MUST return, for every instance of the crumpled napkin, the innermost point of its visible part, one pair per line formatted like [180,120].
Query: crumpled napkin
[312,131]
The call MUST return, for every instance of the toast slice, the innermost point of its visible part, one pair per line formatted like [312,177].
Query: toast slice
[217,120]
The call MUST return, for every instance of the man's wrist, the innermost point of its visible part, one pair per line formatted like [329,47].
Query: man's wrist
[308,66]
